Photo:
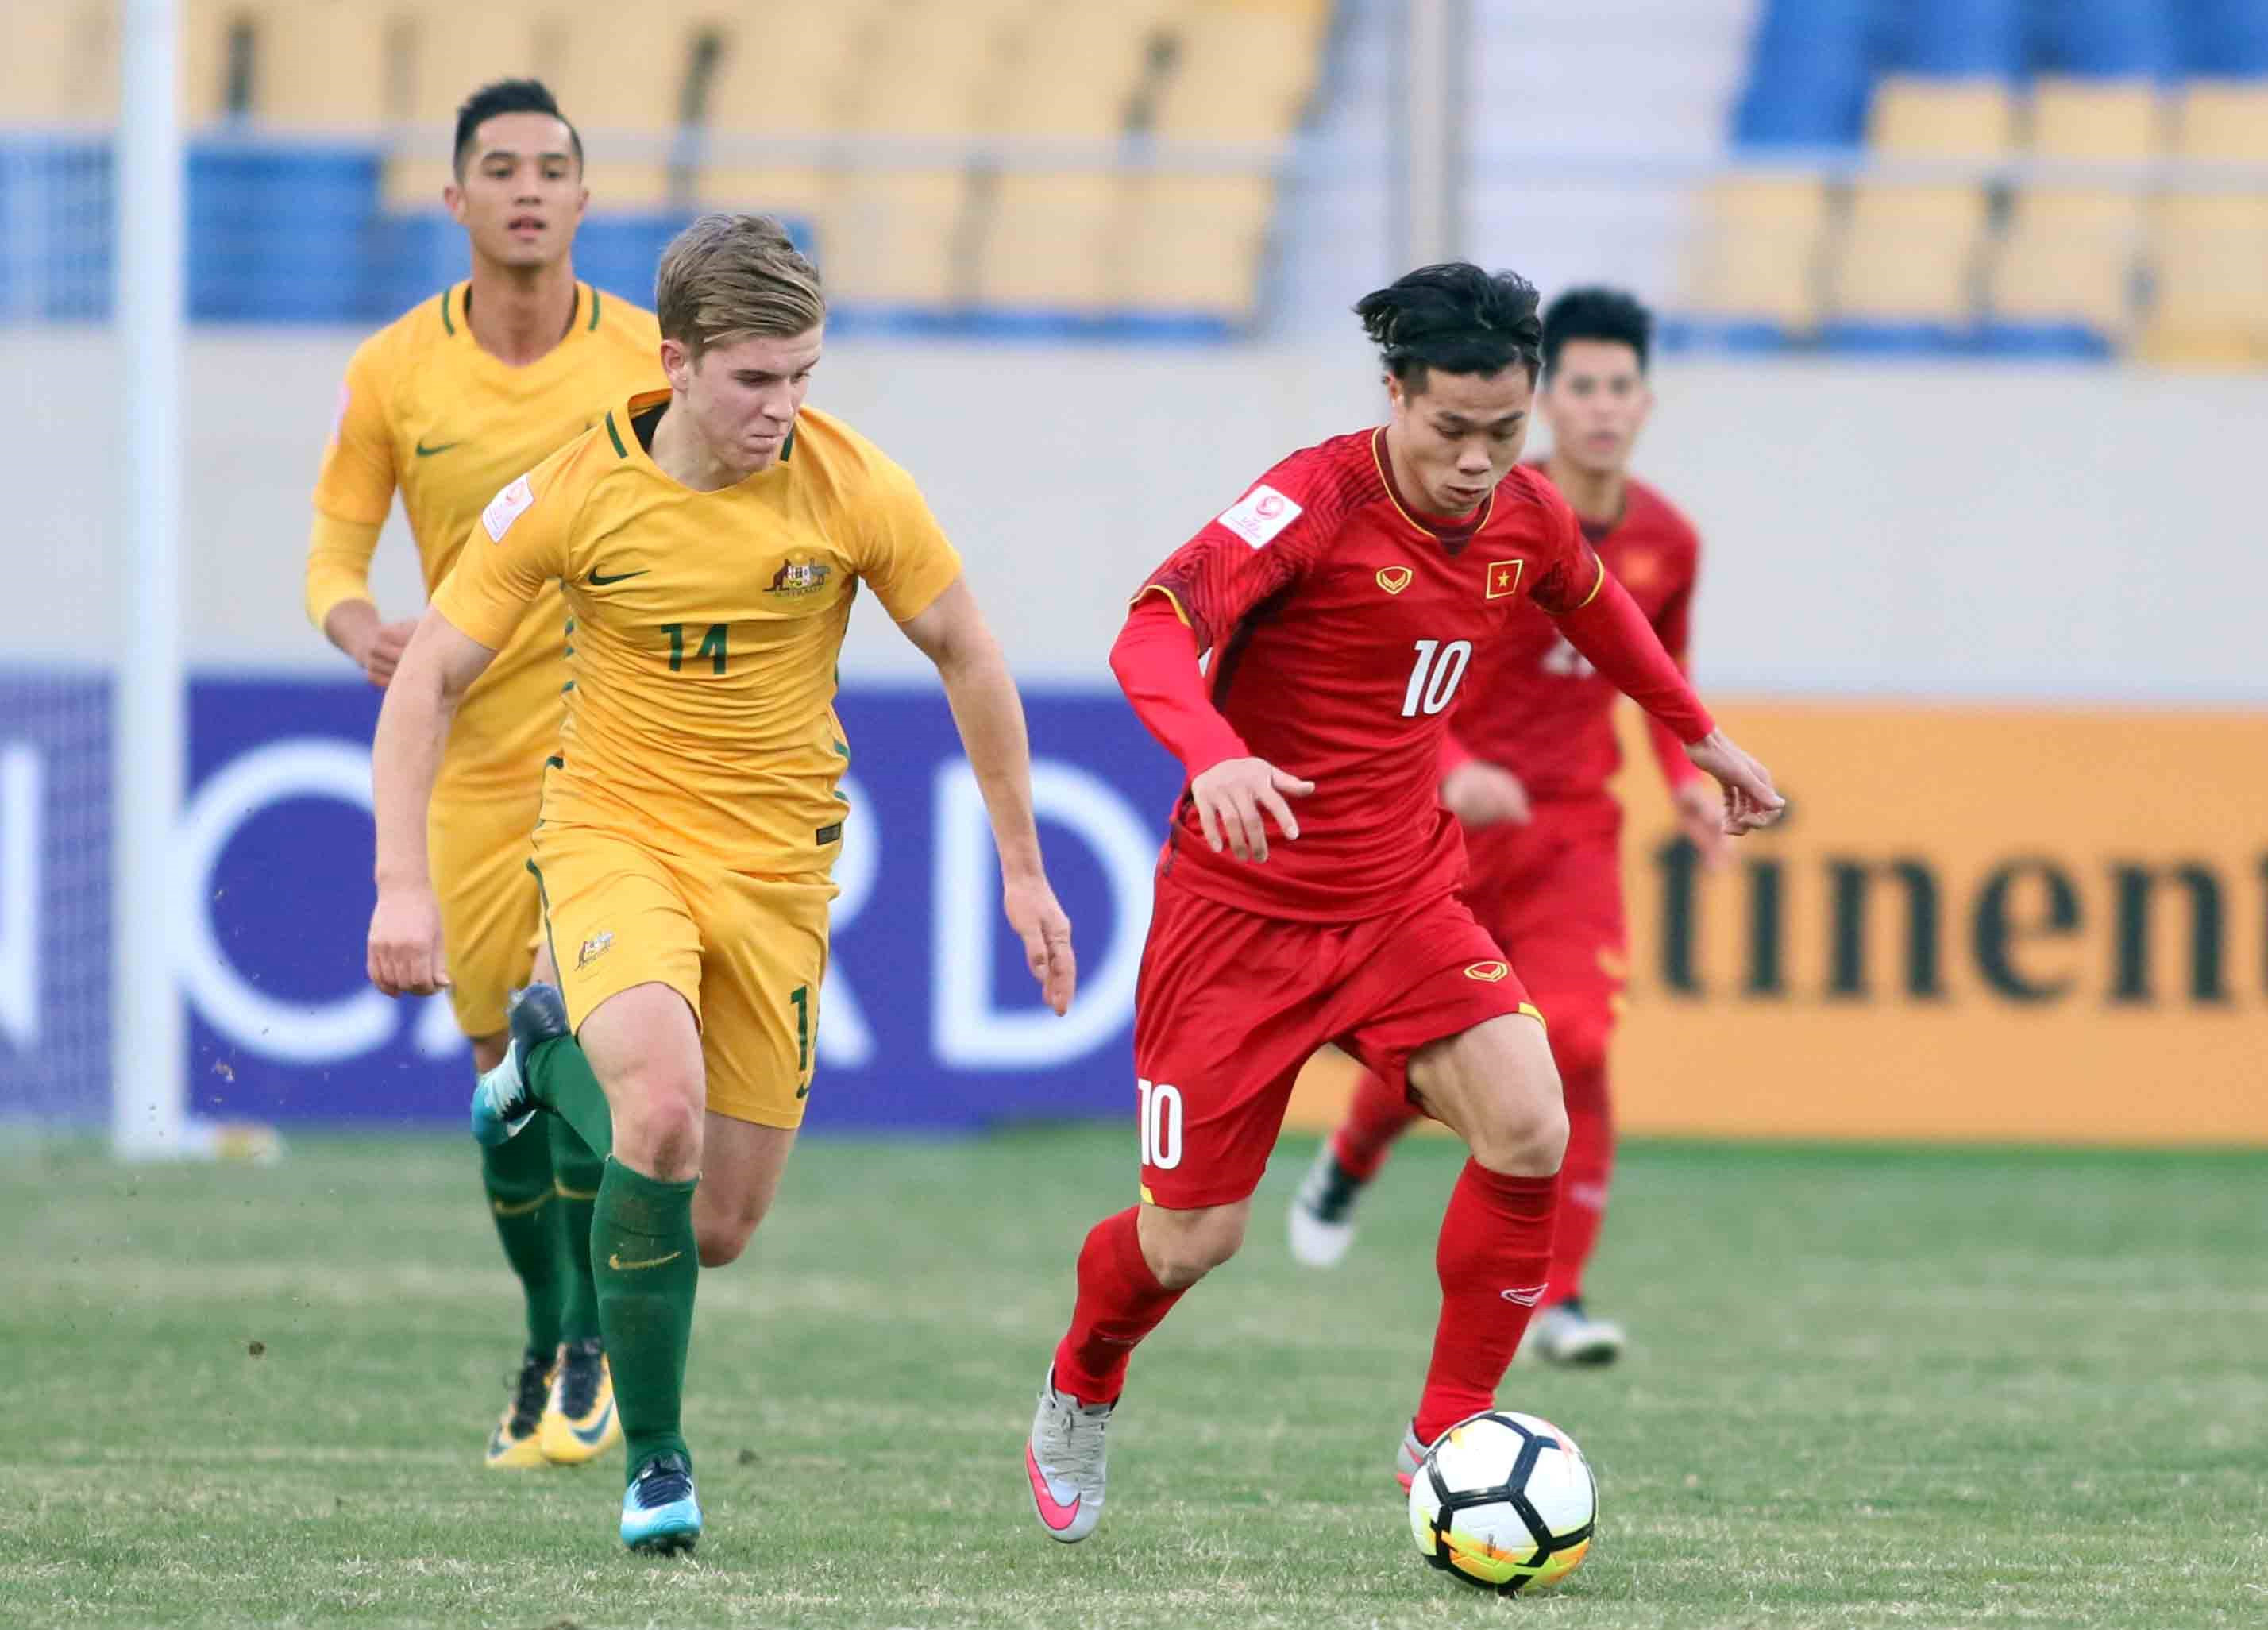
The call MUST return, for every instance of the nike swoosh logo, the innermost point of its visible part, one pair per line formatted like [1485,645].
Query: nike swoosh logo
[1526,1298]
[590,1439]
[620,1266]
[1053,1512]
[504,1208]
[599,580]
[424,452]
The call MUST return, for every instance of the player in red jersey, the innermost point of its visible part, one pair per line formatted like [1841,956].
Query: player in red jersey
[1532,745]
[1342,599]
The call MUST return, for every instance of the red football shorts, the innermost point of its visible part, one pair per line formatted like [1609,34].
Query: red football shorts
[1550,892]
[1231,1005]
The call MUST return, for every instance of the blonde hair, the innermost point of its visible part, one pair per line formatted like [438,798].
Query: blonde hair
[728,277]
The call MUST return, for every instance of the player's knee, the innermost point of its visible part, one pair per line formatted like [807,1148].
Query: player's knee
[1182,1247]
[658,1129]
[1521,1129]
[721,1240]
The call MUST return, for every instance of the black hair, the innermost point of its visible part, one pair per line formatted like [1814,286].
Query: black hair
[1597,313]
[1454,317]
[507,96]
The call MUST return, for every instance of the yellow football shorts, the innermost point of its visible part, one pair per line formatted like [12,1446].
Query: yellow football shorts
[747,954]
[477,845]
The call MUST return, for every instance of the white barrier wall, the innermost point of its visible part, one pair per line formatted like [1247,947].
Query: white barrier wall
[1927,529]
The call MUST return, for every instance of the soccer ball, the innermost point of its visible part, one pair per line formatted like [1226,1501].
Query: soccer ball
[1504,1502]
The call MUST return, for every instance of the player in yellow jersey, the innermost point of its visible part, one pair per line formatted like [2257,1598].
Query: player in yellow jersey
[443,405]
[711,538]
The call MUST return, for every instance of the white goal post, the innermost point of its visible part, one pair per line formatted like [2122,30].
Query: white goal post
[149,1082]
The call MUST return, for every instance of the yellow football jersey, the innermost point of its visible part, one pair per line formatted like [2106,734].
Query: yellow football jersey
[426,411]
[706,626]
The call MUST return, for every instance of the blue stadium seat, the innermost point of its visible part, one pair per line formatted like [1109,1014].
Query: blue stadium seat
[2106,39]
[2224,38]
[1810,67]
[1957,38]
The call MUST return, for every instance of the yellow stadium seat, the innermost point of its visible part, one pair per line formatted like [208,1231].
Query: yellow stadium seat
[2208,257]
[1047,242]
[2069,253]
[1193,245]
[2222,119]
[215,42]
[2095,119]
[1942,119]
[60,64]
[894,239]
[314,65]
[2069,257]
[624,84]
[2209,250]
[1910,251]
[930,67]
[1240,74]
[1074,73]
[788,73]
[1756,254]
[445,51]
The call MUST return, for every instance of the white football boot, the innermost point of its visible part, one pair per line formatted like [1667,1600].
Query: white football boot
[1562,1333]
[1063,1459]
[1410,1457]
[1323,1212]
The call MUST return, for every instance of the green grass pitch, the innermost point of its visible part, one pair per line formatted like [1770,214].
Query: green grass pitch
[1913,1390]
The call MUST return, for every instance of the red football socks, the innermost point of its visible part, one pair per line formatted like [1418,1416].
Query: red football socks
[1120,1302]
[1493,1257]
[1376,1115]
[1583,1178]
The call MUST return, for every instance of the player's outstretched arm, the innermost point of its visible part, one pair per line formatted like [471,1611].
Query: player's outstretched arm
[1155,661]
[436,670]
[952,633]
[1613,633]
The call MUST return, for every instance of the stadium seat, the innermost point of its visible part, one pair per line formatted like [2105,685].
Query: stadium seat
[2069,253]
[1240,73]
[1908,251]
[625,89]
[1956,40]
[1193,245]
[1809,68]
[1047,244]
[1754,265]
[753,101]
[2222,119]
[2208,248]
[1046,240]
[892,240]
[2128,40]
[61,66]
[320,64]
[443,52]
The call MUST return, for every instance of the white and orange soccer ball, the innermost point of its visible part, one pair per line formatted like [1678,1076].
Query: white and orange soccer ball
[1504,1502]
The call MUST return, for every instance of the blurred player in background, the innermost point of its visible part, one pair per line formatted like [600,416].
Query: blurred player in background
[1530,749]
[1342,599]
[710,537]
[444,406]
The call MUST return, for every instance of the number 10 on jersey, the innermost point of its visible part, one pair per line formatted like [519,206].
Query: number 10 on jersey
[1433,679]
[1160,1115]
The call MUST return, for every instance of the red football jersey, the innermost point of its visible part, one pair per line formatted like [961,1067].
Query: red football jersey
[1534,705]
[1341,622]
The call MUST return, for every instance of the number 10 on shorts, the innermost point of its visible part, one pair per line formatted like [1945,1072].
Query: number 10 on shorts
[1160,1115]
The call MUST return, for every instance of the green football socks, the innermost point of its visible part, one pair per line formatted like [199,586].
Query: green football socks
[519,1180]
[576,1174]
[562,1082]
[646,1265]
